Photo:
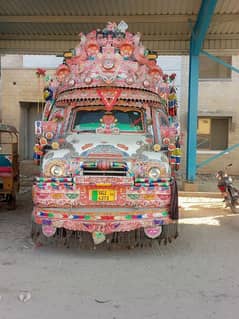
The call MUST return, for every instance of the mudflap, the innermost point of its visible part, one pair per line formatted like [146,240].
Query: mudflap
[11,201]
[131,239]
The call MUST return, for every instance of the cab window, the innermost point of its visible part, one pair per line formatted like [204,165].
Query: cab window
[124,120]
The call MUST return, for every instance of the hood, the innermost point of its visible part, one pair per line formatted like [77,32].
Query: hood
[123,147]
[104,145]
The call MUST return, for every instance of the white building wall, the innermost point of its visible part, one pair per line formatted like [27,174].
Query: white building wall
[172,64]
[216,97]
[19,83]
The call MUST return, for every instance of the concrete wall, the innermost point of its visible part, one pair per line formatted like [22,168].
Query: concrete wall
[215,97]
[20,88]
[18,85]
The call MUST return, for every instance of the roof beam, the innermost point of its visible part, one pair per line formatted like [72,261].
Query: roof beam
[75,37]
[162,47]
[153,18]
[147,37]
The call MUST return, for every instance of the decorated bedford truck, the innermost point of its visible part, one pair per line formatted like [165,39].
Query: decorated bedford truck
[108,146]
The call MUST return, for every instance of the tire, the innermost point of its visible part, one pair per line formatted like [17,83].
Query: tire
[235,208]
[12,202]
[36,234]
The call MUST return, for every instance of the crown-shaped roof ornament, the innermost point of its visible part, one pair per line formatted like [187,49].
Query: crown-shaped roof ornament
[122,26]
[113,57]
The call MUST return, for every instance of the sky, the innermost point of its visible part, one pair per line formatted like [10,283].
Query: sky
[41,61]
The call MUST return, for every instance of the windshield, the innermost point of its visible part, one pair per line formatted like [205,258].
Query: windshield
[121,119]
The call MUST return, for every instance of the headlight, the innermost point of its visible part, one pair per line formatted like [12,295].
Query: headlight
[55,168]
[154,173]
[56,171]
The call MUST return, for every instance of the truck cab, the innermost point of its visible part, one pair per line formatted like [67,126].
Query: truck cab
[109,145]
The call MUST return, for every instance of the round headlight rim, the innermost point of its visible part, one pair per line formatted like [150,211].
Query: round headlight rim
[49,167]
[56,166]
[150,173]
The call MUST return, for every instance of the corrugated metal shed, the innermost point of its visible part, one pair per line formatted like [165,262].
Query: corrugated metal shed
[42,26]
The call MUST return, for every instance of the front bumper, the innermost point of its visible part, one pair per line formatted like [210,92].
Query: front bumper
[67,203]
[77,192]
[101,220]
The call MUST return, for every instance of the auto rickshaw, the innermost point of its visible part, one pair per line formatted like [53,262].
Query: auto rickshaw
[9,165]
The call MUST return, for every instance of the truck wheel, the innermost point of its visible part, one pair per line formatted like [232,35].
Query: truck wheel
[169,232]
[11,203]
[35,231]
[235,209]
[36,234]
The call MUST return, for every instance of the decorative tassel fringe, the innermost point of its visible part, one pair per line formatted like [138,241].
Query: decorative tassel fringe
[132,239]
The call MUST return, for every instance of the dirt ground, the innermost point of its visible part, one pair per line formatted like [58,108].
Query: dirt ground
[194,277]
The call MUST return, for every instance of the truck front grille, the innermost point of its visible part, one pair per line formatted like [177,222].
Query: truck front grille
[104,168]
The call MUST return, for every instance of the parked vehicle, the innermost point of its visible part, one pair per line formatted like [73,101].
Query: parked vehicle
[229,191]
[109,146]
[9,165]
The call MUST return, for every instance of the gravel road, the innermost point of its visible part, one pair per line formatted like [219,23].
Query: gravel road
[194,277]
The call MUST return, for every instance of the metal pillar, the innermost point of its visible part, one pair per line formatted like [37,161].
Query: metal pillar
[196,42]
[192,116]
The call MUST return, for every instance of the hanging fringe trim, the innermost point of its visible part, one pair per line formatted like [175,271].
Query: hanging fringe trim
[173,209]
[132,239]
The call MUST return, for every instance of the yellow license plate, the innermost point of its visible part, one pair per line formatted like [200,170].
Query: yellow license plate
[148,196]
[103,195]
[56,196]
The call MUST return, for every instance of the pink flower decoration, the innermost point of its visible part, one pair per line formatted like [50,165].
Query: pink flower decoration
[172,76]
[40,72]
